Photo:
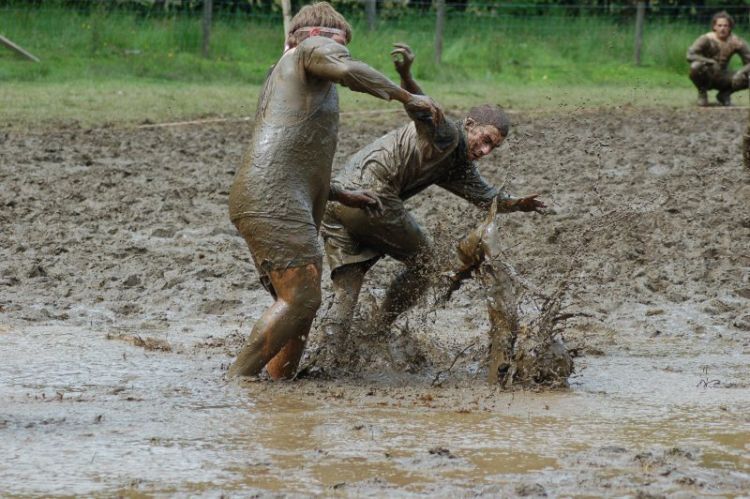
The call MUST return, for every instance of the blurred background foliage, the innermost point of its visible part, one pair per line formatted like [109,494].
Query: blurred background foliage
[530,42]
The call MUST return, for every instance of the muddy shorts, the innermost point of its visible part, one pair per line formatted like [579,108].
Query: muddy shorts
[279,244]
[708,77]
[351,236]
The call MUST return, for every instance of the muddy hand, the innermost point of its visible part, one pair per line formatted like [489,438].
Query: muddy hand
[471,252]
[529,203]
[740,80]
[366,200]
[420,105]
[403,57]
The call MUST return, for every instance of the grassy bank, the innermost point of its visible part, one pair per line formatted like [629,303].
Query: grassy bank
[103,45]
[114,66]
[134,102]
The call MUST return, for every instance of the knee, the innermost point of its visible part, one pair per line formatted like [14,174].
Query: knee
[696,67]
[305,300]
[700,72]
[739,82]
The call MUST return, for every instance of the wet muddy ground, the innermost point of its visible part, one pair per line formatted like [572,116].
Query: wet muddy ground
[125,291]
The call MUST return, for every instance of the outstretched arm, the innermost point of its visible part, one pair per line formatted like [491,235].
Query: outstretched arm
[331,61]
[472,187]
[403,57]
[529,203]
[434,131]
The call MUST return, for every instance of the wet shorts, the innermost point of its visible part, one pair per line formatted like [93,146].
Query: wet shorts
[352,236]
[279,244]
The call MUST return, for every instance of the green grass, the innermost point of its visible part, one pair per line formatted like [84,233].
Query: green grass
[134,102]
[117,45]
[122,67]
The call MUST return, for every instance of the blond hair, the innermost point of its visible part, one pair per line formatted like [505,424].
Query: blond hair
[318,14]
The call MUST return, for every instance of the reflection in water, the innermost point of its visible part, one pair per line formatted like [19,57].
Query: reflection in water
[80,414]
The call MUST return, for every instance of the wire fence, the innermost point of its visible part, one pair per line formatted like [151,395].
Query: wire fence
[204,27]
[386,10]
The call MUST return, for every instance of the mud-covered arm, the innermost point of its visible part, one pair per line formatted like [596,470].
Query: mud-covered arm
[436,135]
[471,186]
[409,84]
[335,190]
[697,50]
[331,61]
[403,57]
[356,198]
[743,50]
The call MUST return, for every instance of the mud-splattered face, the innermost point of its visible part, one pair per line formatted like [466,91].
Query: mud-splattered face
[722,28]
[481,139]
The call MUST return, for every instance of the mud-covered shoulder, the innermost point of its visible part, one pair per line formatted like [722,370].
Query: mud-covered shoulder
[701,41]
[318,48]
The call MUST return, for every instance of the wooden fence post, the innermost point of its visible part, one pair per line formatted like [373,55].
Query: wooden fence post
[286,8]
[207,13]
[371,13]
[18,49]
[640,13]
[439,29]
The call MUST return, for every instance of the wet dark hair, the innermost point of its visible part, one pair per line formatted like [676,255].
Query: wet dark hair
[320,14]
[722,15]
[490,114]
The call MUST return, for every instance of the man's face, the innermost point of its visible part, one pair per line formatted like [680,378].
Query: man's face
[722,28]
[481,139]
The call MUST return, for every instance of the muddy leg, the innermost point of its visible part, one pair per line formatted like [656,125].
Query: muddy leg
[281,332]
[723,82]
[347,282]
[700,75]
[284,364]
[335,344]
[403,293]
[738,82]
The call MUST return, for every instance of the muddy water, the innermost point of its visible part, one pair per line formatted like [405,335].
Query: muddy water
[122,232]
[84,414]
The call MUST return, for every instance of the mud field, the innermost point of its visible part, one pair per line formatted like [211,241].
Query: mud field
[125,292]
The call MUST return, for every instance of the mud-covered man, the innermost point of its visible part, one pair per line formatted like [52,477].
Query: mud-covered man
[709,59]
[396,167]
[279,194]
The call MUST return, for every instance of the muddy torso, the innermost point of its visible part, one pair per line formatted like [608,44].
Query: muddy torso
[397,164]
[404,161]
[711,47]
[286,171]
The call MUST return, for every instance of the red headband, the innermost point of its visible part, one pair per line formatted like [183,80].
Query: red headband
[322,29]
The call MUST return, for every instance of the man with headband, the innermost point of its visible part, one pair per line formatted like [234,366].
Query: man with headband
[279,193]
[396,167]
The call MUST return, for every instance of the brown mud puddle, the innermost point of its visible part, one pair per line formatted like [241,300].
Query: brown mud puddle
[83,414]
